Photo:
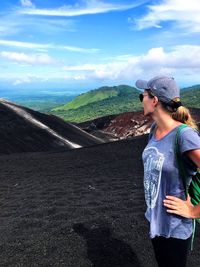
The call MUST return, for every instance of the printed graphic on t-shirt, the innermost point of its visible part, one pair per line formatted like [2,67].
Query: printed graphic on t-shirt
[153,163]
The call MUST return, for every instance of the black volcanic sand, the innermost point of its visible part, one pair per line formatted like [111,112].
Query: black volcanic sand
[19,134]
[77,208]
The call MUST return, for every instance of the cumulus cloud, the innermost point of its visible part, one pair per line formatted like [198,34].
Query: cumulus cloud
[180,59]
[184,13]
[33,59]
[83,8]
[182,62]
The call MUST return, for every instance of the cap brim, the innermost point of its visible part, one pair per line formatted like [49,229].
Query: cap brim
[141,84]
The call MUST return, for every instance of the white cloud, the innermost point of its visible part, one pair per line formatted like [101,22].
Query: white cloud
[41,59]
[184,13]
[9,25]
[24,44]
[79,49]
[36,46]
[88,7]
[179,60]
[26,3]
[14,23]
[182,62]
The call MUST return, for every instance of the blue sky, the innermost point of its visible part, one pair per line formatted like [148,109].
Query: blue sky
[83,44]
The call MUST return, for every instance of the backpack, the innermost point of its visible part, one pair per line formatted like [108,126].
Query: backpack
[193,189]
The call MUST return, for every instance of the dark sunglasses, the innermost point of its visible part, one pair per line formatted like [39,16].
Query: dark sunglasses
[141,96]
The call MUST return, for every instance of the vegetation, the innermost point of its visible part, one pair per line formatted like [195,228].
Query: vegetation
[89,97]
[101,102]
[190,96]
[114,100]
[97,103]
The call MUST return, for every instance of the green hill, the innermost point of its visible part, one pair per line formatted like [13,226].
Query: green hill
[100,102]
[97,95]
[113,100]
[190,96]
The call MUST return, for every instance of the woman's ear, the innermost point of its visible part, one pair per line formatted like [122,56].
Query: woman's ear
[155,100]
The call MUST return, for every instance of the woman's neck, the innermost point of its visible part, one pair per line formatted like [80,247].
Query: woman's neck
[164,123]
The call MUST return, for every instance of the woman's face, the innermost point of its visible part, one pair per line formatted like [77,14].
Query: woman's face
[148,103]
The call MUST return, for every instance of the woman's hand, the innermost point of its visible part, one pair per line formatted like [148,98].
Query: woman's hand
[178,206]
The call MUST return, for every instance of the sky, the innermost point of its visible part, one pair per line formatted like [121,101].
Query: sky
[79,45]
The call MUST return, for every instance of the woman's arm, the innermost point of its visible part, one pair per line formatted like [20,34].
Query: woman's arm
[184,207]
[194,155]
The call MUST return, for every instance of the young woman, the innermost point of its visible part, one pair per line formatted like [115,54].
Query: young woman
[164,190]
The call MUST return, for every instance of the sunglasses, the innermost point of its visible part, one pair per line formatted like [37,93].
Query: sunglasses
[141,96]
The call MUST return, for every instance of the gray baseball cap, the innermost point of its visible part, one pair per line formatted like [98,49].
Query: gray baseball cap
[165,88]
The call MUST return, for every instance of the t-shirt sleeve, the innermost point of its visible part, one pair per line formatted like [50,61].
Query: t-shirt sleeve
[189,140]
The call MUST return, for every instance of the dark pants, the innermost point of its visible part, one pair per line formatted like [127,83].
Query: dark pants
[171,252]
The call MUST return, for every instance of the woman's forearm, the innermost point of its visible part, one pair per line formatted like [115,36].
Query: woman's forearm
[195,213]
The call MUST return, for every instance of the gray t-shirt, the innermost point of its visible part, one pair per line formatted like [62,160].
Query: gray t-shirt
[161,178]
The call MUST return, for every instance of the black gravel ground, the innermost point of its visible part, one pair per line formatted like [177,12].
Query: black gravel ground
[78,208]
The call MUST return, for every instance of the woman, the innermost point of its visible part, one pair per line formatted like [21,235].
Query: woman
[169,232]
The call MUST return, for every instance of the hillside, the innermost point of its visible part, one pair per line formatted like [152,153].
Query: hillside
[191,96]
[113,100]
[26,130]
[89,97]
[100,102]
[125,125]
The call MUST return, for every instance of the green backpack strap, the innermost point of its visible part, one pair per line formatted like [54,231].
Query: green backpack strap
[183,173]
[179,161]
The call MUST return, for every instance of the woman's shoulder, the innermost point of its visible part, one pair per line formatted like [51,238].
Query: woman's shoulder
[188,130]
[189,139]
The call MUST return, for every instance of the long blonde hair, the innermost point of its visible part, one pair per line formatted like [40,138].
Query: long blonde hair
[181,114]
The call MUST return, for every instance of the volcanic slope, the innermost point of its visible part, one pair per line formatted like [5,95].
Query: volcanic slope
[25,130]
[77,208]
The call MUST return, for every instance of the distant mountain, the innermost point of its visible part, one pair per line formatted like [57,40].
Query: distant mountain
[100,102]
